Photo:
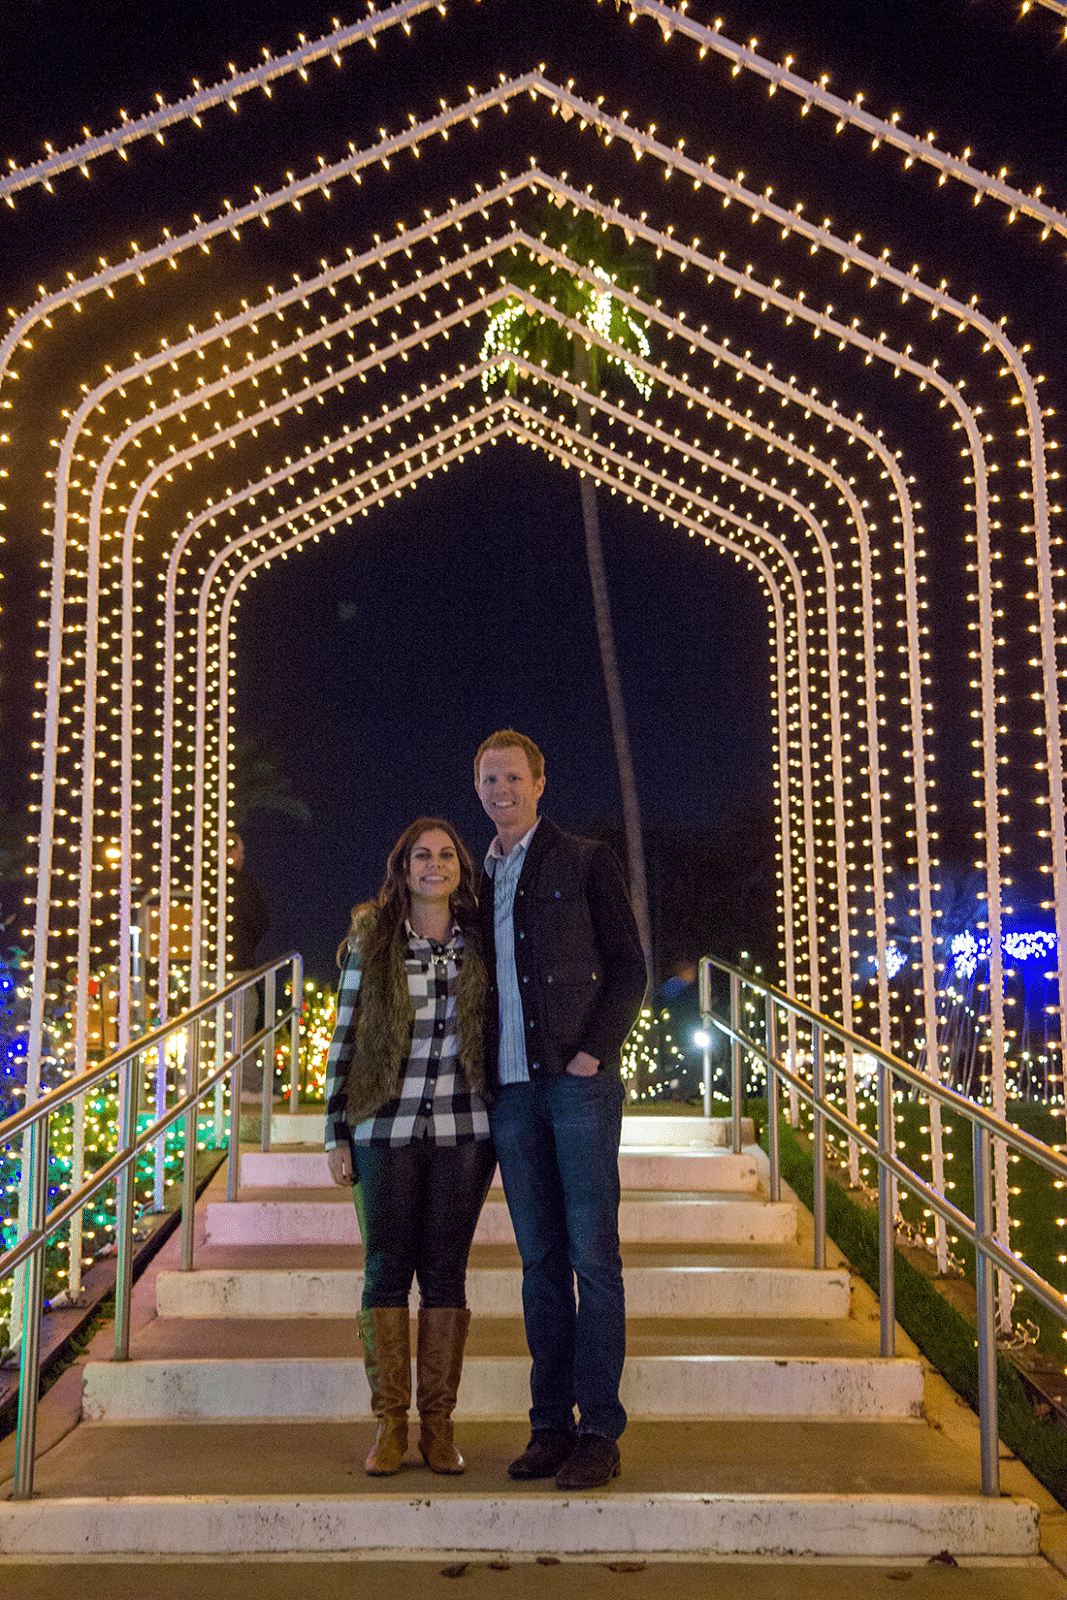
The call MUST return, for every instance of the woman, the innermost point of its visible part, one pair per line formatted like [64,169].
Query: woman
[406,1123]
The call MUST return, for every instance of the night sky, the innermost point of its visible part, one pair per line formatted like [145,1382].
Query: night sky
[440,621]
[375,662]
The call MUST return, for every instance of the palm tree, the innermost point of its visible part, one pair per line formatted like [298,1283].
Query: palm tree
[550,343]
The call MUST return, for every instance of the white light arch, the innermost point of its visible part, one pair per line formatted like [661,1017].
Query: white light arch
[854,670]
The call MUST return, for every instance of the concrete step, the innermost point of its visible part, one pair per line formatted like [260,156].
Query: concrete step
[638,1132]
[297,1339]
[742,1387]
[700,1171]
[665,1291]
[844,1489]
[328,1217]
[911,1526]
[689,1132]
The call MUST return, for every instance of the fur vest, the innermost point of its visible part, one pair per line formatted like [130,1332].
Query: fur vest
[384,1018]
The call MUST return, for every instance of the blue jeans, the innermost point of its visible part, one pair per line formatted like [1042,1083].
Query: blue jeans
[557,1142]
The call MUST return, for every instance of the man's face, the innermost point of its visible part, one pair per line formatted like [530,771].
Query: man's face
[508,790]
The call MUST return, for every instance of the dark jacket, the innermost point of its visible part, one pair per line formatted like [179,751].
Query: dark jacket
[578,956]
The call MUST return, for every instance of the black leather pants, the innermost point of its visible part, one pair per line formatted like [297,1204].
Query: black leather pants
[419,1205]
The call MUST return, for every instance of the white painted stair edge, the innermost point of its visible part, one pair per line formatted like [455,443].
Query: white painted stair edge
[677,1220]
[653,1387]
[692,1133]
[667,1291]
[876,1526]
[707,1170]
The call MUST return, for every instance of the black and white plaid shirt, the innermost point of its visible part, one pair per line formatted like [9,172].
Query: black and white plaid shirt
[434,1102]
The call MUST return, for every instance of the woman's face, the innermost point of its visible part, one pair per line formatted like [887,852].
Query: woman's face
[433,867]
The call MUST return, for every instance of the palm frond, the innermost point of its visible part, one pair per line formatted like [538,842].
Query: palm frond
[582,296]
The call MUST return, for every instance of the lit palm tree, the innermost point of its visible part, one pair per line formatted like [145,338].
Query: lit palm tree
[547,342]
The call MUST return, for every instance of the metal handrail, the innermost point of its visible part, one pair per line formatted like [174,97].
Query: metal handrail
[985,1126]
[32,1123]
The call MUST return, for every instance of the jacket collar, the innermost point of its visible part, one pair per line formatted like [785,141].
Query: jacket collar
[545,836]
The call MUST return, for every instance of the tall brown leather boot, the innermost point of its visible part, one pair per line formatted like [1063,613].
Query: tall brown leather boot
[442,1336]
[385,1331]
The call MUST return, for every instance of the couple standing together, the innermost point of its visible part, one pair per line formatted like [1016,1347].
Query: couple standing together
[472,1030]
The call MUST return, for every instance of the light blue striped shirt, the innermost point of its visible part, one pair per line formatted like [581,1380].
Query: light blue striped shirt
[512,1066]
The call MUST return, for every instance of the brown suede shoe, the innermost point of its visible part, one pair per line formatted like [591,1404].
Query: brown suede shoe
[593,1463]
[544,1455]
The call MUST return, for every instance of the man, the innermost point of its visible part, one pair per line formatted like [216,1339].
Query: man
[567,978]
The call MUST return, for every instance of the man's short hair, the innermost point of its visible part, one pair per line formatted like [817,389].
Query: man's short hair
[508,739]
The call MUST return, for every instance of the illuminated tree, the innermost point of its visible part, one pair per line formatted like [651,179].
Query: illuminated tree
[555,344]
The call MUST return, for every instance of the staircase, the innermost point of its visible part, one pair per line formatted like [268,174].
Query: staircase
[763,1420]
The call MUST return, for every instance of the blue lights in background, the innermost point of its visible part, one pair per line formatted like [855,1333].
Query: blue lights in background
[970,951]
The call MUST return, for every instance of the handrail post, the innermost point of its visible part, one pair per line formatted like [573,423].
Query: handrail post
[129,1096]
[192,1075]
[706,1025]
[233,1172]
[267,1097]
[988,1420]
[160,1152]
[774,1178]
[35,1141]
[294,1034]
[220,1056]
[818,1148]
[735,1060]
[886,1208]
[794,1099]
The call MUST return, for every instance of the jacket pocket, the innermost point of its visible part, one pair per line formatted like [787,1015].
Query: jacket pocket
[571,975]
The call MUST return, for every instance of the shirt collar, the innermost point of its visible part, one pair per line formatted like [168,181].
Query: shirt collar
[494,853]
[414,938]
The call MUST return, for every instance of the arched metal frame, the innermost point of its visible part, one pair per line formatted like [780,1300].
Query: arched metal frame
[828,584]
